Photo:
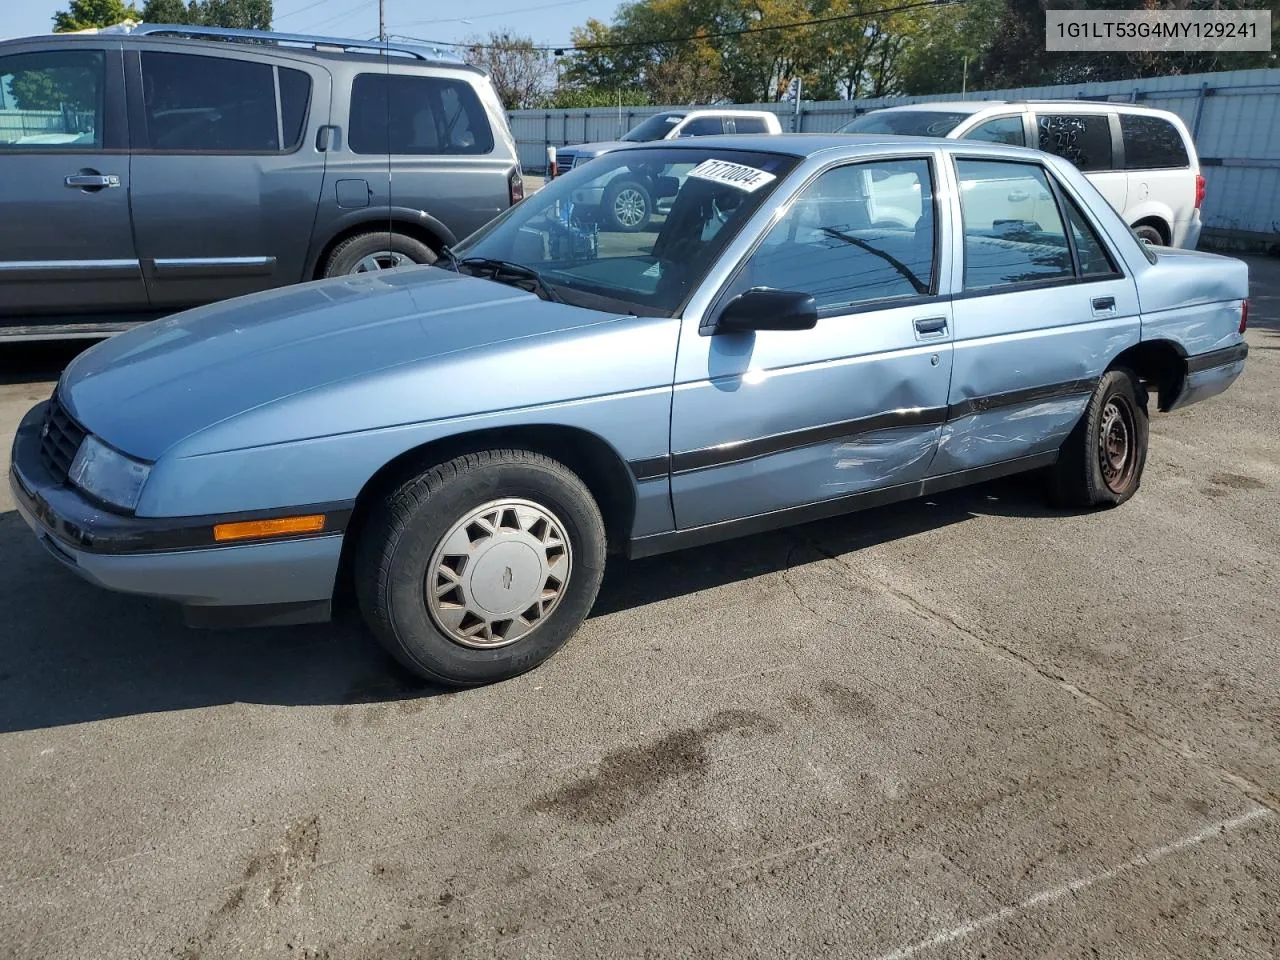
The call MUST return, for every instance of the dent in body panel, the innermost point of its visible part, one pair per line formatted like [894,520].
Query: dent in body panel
[1006,434]
[1198,328]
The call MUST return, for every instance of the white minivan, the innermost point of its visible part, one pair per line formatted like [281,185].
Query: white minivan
[1142,160]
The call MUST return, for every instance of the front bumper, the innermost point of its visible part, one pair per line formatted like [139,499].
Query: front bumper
[281,581]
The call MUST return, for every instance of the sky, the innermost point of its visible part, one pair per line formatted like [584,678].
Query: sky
[547,21]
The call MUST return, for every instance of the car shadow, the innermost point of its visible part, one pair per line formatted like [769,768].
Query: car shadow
[73,653]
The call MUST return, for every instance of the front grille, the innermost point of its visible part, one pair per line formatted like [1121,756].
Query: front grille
[565,161]
[60,438]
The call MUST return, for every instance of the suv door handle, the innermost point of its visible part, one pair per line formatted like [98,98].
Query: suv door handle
[91,181]
[931,328]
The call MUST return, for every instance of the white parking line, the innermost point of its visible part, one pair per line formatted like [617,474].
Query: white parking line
[1074,886]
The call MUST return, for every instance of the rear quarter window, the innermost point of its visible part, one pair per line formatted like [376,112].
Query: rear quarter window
[1152,143]
[410,115]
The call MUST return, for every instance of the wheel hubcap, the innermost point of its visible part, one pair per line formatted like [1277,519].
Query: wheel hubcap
[629,207]
[382,260]
[1115,444]
[498,573]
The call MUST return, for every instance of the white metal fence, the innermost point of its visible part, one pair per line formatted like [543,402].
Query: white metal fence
[1234,117]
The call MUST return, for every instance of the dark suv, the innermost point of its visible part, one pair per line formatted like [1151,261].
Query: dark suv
[163,167]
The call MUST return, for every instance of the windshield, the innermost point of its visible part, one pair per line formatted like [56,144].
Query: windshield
[906,123]
[633,231]
[655,128]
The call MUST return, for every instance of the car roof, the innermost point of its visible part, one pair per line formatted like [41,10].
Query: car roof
[804,145]
[977,106]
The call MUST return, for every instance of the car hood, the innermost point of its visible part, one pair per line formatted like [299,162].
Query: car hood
[147,389]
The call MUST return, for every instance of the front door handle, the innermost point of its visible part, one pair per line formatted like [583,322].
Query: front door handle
[931,328]
[91,181]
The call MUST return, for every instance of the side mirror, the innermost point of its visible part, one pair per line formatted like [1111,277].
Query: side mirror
[763,308]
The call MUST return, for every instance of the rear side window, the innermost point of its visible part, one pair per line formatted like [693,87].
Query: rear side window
[295,97]
[999,130]
[195,104]
[702,127]
[417,116]
[750,125]
[1083,139]
[1152,143]
[52,101]
[1094,259]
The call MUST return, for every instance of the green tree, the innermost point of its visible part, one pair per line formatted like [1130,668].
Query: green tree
[87,14]
[236,14]
[520,72]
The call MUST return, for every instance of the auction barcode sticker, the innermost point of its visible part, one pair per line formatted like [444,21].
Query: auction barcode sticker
[732,174]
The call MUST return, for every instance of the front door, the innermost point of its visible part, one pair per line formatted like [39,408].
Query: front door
[768,421]
[226,170]
[66,246]
[1042,309]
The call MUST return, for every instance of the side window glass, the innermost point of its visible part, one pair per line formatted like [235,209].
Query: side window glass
[999,130]
[416,116]
[208,104]
[1082,139]
[749,125]
[702,127]
[1094,259]
[52,100]
[1013,233]
[860,233]
[1151,143]
[295,98]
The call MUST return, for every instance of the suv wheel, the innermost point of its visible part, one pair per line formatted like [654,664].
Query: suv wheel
[482,567]
[376,250]
[1149,234]
[628,206]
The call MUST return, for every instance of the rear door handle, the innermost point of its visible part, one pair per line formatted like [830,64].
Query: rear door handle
[1104,304]
[91,181]
[931,328]
[327,138]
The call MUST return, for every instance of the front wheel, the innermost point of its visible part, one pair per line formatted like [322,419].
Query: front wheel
[1100,463]
[481,567]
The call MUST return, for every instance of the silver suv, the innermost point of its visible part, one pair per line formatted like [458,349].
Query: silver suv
[164,167]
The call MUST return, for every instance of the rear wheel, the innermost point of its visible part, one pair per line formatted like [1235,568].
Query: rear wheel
[482,567]
[1101,462]
[628,207]
[1149,234]
[374,251]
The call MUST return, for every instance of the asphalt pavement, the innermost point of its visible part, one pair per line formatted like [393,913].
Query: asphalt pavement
[964,727]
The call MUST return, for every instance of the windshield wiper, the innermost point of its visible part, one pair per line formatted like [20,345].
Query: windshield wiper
[451,258]
[513,271]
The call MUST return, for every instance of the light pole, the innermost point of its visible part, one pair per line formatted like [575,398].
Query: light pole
[382,20]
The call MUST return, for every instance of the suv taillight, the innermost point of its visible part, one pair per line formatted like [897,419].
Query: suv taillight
[515,187]
[1244,315]
[1199,190]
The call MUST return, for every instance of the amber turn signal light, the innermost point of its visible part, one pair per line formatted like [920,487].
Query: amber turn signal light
[254,529]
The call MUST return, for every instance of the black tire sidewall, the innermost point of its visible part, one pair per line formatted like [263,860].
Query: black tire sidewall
[611,195]
[1115,382]
[429,650]
[1150,233]
[351,251]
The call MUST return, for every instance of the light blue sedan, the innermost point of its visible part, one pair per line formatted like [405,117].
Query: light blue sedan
[818,325]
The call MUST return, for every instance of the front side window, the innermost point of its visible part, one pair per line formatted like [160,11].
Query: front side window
[702,127]
[52,100]
[999,130]
[410,115]
[1082,139]
[857,234]
[208,104]
[1151,143]
[1013,233]
[907,123]
[562,231]
[656,127]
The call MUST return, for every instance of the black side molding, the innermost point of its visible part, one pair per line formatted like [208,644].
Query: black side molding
[1217,358]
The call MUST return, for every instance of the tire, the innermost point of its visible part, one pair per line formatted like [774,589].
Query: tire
[628,206]
[416,539]
[1091,473]
[1149,234]
[360,253]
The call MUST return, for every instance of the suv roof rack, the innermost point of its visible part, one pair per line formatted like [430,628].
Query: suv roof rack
[336,44]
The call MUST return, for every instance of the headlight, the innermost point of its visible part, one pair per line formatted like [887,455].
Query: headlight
[107,475]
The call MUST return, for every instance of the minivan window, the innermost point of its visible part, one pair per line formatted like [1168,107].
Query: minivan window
[416,116]
[208,104]
[52,100]
[999,130]
[1082,139]
[1151,143]
[908,123]
[655,128]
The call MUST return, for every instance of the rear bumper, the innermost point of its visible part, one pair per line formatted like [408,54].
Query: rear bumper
[283,581]
[1208,374]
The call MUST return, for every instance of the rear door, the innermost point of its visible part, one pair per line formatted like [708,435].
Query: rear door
[1090,141]
[66,246]
[226,171]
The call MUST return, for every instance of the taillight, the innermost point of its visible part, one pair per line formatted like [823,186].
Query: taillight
[1244,315]
[515,187]
[1199,190]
